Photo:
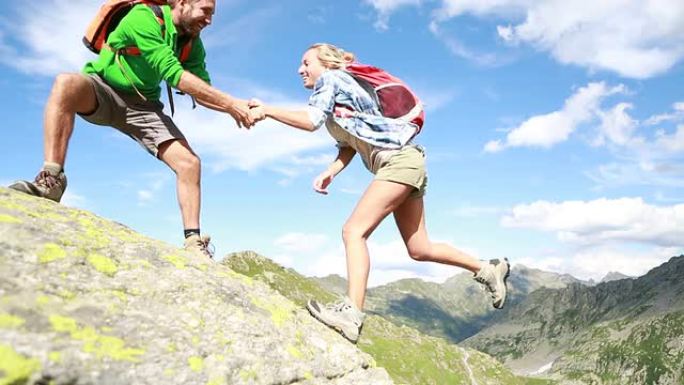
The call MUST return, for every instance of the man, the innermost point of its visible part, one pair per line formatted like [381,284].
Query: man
[122,90]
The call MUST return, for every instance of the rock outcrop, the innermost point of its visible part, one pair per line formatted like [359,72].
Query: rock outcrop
[84,300]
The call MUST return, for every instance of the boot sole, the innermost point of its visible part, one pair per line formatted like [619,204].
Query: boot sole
[24,187]
[333,327]
[505,279]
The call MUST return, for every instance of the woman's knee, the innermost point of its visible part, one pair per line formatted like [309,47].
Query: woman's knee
[353,232]
[420,253]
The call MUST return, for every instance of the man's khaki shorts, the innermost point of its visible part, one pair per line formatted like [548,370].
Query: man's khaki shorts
[144,121]
[407,166]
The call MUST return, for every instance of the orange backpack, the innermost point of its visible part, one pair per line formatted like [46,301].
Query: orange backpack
[108,18]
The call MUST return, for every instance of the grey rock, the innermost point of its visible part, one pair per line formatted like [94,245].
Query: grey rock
[84,300]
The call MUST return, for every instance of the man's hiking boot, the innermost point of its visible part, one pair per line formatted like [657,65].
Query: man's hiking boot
[343,317]
[46,185]
[195,243]
[493,276]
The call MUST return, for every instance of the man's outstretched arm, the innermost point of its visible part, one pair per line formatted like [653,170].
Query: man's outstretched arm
[211,97]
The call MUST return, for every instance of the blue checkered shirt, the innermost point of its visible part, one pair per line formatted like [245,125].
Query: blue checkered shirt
[336,87]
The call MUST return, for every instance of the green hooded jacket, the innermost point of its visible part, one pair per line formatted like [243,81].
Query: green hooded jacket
[158,59]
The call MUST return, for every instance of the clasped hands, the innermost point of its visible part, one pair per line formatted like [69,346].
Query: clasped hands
[248,112]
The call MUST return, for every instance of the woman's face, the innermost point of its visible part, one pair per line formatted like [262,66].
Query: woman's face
[311,68]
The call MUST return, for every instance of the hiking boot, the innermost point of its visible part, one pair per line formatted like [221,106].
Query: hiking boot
[195,243]
[343,317]
[46,185]
[493,276]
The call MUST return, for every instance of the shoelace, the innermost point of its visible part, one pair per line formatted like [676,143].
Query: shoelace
[207,246]
[337,307]
[46,179]
[487,286]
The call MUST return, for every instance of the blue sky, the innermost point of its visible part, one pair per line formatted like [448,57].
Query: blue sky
[554,130]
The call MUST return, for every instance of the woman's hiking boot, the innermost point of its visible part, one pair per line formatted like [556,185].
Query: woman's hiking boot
[493,275]
[342,316]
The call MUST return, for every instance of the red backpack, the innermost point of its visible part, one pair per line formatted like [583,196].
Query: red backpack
[108,18]
[394,98]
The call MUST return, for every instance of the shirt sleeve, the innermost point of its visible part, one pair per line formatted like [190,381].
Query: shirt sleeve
[323,96]
[196,62]
[322,101]
[140,25]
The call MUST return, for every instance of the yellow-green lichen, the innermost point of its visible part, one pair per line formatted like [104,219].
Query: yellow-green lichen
[9,321]
[14,207]
[227,273]
[248,374]
[171,347]
[94,234]
[120,294]
[280,313]
[216,381]
[175,260]
[294,352]
[103,264]
[308,375]
[4,218]
[55,357]
[196,340]
[16,368]
[196,363]
[169,372]
[67,294]
[144,263]
[42,300]
[51,252]
[93,342]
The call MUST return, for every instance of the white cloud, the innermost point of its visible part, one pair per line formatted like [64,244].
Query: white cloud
[243,31]
[73,199]
[603,220]
[301,243]
[316,255]
[596,262]
[555,127]
[665,174]
[154,183]
[386,7]
[617,126]
[676,115]
[269,144]
[47,36]
[459,49]
[642,38]
[470,211]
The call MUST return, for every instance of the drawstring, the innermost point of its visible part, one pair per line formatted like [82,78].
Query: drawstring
[117,53]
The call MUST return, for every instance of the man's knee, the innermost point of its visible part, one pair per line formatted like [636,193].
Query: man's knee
[188,164]
[68,83]
[72,90]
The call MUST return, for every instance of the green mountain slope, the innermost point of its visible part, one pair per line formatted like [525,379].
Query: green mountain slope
[409,356]
[627,331]
[454,310]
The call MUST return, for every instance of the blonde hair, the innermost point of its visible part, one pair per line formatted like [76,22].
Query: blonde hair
[332,57]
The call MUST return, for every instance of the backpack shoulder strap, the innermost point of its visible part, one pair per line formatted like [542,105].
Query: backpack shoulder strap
[368,87]
[156,8]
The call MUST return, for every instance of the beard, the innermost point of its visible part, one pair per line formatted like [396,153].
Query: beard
[187,29]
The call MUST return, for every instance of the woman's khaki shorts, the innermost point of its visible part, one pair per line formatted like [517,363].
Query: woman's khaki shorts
[406,167]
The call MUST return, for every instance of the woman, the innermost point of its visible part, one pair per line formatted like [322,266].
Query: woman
[385,147]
